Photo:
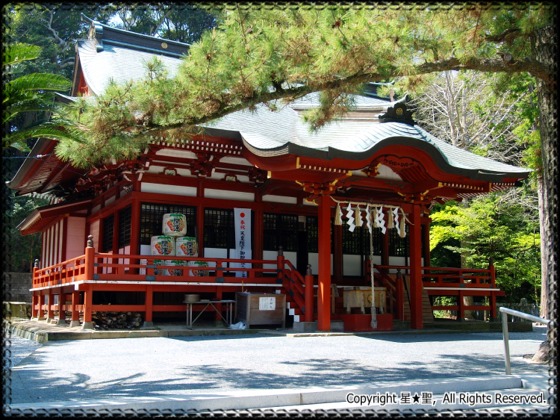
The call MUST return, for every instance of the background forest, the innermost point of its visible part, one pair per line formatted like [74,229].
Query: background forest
[487,113]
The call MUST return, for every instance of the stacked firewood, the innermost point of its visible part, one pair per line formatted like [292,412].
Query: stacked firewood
[117,320]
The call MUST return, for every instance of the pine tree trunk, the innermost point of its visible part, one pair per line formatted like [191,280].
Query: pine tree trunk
[545,51]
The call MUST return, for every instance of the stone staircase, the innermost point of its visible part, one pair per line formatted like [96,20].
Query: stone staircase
[427,312]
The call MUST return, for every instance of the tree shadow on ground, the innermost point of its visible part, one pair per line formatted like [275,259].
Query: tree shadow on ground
[41,384]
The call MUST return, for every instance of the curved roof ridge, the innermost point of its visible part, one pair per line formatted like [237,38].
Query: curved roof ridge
[103,33]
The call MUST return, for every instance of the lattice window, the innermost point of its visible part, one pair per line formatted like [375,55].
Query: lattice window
[219,230]
[125,225]
[312,227]
[108,228]
[398,247]
[151,219]
[280,230]
[357,242]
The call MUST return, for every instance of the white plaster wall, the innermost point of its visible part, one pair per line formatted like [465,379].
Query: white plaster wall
[151,187]
[228,195]
[94,231]
[76,237]
[61,241]
[50,245]
[352,265]
[314,261]
[215,253]
[270,198]
[272,255]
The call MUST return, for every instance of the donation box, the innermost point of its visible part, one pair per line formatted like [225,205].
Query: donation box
[260,309]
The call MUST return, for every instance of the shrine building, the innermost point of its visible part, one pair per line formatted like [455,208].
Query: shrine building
[335,221]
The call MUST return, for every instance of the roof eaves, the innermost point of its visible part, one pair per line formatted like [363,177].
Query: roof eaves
[47,213]
[41,147]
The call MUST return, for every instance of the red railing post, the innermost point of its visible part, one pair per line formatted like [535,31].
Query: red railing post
[280,269]
[493,300]
[219,271]
[151,271]
[88,290]
[34,299]
[308,295]
[89,258]
[280,260]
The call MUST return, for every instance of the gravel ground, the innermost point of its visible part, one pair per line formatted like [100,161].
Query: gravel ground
[157,367]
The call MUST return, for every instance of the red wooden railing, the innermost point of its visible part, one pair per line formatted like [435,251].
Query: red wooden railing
[94,267]
[120,267]
[65,272]
[443,281]
[299,289]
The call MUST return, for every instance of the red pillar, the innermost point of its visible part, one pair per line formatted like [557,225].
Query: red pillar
[40,303]
[62,308]
[50,306]
[324,291]
[426,240]
[135,234]
[416,286]
[258,231]
[200,220]
[460,306]
[88,302]
[34,306]
[75,317]
[148,315]
[384,250]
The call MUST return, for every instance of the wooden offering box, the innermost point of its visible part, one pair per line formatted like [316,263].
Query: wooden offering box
[260,309]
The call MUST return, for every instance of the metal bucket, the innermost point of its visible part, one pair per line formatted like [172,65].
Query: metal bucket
[191,298]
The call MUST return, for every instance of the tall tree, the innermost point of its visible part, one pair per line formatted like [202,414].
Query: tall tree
[178,22]
[28,99]
[53,28]
[489,229]
[490,116]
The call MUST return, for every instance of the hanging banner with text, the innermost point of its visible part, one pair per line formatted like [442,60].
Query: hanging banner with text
[243,248]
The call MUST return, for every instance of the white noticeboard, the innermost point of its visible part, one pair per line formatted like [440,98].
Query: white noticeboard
[267,303]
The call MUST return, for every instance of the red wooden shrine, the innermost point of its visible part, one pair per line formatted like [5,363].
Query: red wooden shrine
[318,203]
